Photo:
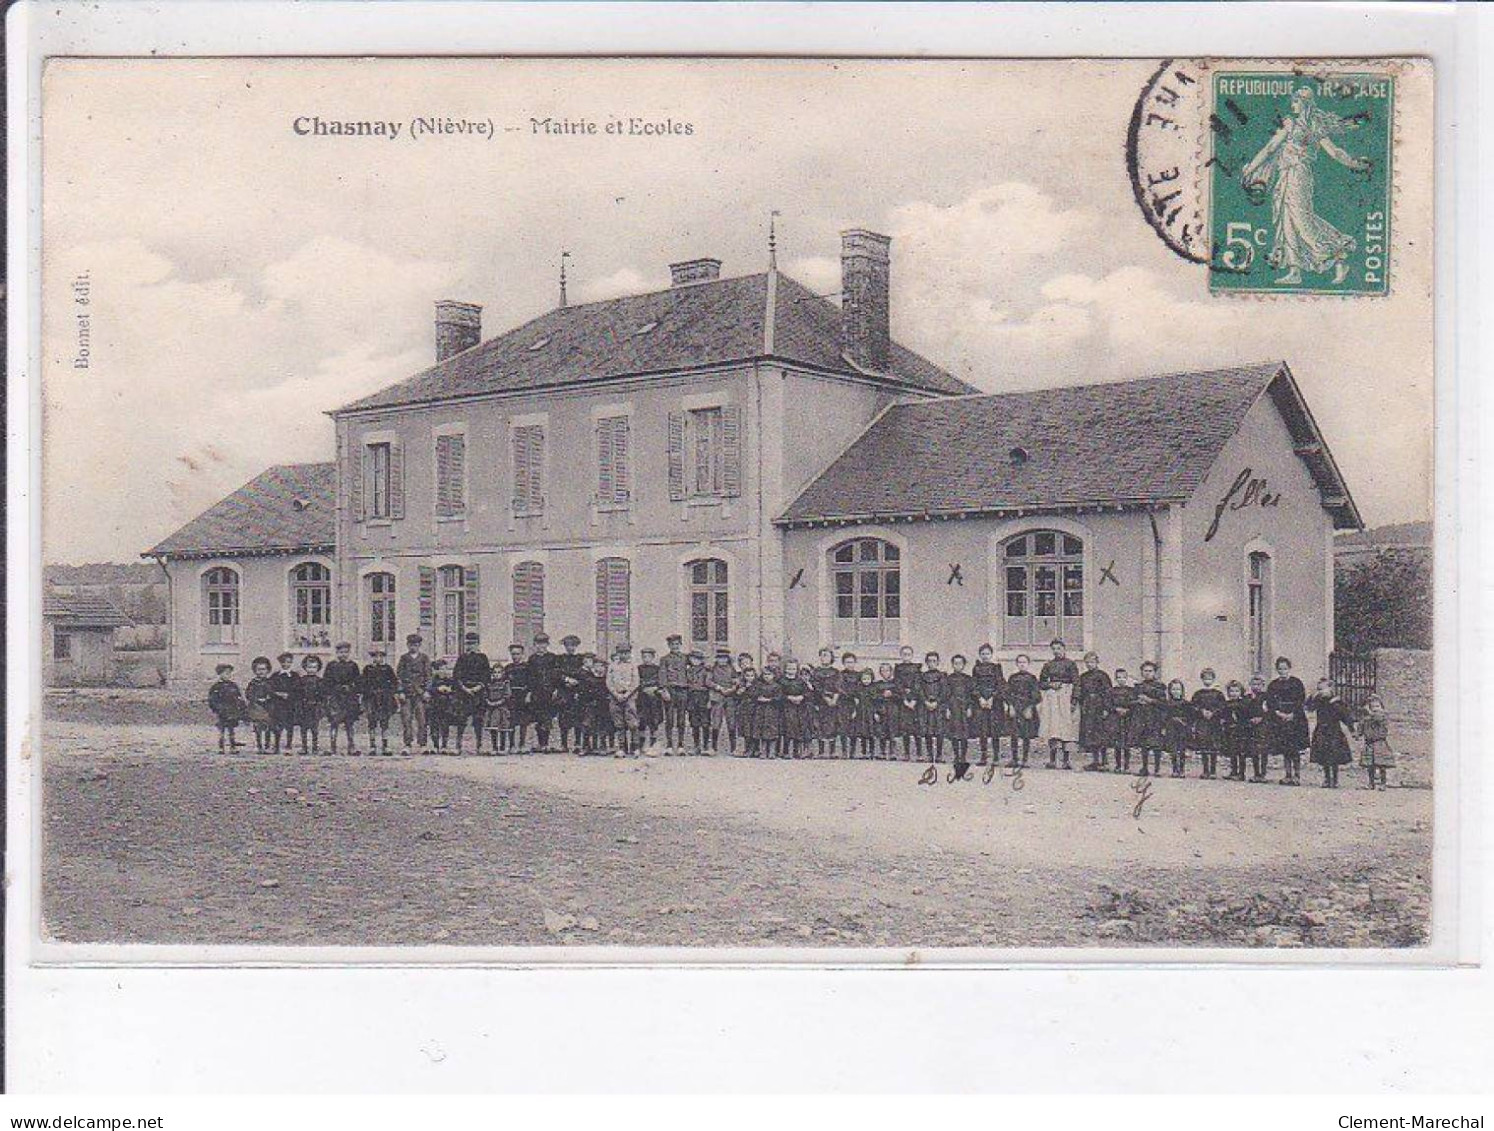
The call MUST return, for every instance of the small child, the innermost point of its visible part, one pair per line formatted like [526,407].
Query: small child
[1237,732]
[1148,719]
[445,709]
[1376,755]
[697,703]
[1260,729]
[1023,694]
[258,696]
[1177,727]
[1122,704]
[283,696]
[379,686]
[798,712]
[884,711]
[226,702]
[1330,738]
[959,698]
[308,700]
[1208,722]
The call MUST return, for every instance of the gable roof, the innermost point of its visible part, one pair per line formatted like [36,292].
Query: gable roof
[287,509]
[1118,444]
[685,327]
[82,610]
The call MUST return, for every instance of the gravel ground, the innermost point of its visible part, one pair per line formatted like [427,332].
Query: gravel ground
[149,836]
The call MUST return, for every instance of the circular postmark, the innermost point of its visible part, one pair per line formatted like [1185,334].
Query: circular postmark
[1163,154]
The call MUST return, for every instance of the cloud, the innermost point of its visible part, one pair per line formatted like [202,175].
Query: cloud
[623,281]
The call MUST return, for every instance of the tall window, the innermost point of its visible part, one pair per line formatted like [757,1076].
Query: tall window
[1258,597]
[453,604]
[704,444]
[378,462]
[451,474]
[381,628]
[529,601]
[311,606]
[866,575]
[614,604]
[220,603]
[529,469]
[709,604]
[614,464]
[1044,581]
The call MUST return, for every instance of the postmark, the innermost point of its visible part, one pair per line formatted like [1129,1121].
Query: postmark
[1163,152]
[1299,182]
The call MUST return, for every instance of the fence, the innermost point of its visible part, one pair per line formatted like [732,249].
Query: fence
[1354,677]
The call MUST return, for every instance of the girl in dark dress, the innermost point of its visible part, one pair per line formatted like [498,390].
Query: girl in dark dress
[308,703]
[1236,729]
[257,696]
[1209,708]
[1122,705]
[886,712]
[226,702]
[1177,726]
[1092,694]
[798,711]
[959,699]
[379,684]
[1260,731]
[905,681]
[988,713]
[1023,694]
[1147,719]
[931,704]
[766,698]
[861,725]
[1286,720]
[283,703]
[341,698]
[1330,734]
[1374,731]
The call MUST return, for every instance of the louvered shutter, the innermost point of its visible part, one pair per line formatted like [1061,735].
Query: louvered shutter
[443,476]
[471,617]
[603,622]
[613,604]
[427,599]
[529,601]
[359,473]
[677,456]
[396,479]
[621,475]
[457,470]
[731,445]
[520,442]
[606,463]
[529,463]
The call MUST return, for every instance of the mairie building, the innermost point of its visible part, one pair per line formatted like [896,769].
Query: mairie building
[751,465]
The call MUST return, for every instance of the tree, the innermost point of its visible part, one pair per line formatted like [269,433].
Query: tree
[1385,602]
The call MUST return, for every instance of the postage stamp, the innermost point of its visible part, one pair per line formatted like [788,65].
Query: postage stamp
[1299,182]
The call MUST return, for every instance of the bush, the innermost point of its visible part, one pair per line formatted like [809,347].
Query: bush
[1385,602]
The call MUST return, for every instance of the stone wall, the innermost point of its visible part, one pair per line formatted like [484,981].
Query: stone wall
[1403,679]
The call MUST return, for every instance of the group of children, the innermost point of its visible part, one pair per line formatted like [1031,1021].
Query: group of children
[901,711]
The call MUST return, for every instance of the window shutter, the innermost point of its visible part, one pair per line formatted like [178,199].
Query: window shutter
[603,620]
[359,464]
[529,601]
[622,485]
[606,463]
[396,479]
[457,469]
[427,598]
[677,456]
[529,463]
[520,444]
[731,444]
[473,620]
[619,602]
[537,469]
[443,475]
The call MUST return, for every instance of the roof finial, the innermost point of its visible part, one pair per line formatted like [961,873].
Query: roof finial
[773,240]
[564,255]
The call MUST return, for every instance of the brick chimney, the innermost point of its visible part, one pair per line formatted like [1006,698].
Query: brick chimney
[694,271]
[458,327]
[864,271]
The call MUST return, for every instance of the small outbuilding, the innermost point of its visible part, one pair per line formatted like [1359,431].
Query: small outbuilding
[78,639]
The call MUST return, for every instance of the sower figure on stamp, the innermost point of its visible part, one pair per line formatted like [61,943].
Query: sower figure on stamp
[344,703]
[1092,697]
[379,685]
[672,684]
[989,708]
[1058,722]
[1023,696]
[472,672]
[227,703]
[414,672]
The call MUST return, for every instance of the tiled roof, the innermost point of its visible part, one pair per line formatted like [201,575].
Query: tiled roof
[82,610]
[287,508]
[1116,444]
[681,328]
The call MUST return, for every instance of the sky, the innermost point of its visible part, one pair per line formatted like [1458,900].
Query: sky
[243,279]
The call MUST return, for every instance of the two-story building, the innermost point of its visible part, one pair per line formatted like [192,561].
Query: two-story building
[752,465]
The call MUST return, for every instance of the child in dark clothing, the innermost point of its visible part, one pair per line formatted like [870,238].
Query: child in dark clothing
[445,707]
[1122,707]
[1148,718]
[861,727]
[379,686]
[1260,730]
[1236,729]
[258,696]
[886,708]
[226,702]
[283,698]
[1208,722]
[1330,737]
[959,697]
[308,700]
[798,711]
[1023,694]
[1374,731]
[1177,726]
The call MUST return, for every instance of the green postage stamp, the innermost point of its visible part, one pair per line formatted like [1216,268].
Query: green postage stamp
[1299,183]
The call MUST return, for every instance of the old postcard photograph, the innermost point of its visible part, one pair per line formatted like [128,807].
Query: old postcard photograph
[801,507]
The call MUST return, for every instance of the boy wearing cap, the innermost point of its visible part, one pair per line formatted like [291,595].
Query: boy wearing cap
[622,695]
[414,674]
[650,697]
[721,685]
[697,701]
[570,698]
[672,690]
[340,692]
[472,671]
[544,680]
[380,688]
[226,702]
[519,717]
[442,695]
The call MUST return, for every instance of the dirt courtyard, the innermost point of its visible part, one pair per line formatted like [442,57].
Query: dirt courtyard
[150,836]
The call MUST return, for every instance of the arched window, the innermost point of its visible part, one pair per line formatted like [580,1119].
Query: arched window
[311,605]
[220,605]
[381,626]
[529,602]
[1258,610]
[867,591]
[1044,583]
[614,604]
[453,606]
[710,604]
